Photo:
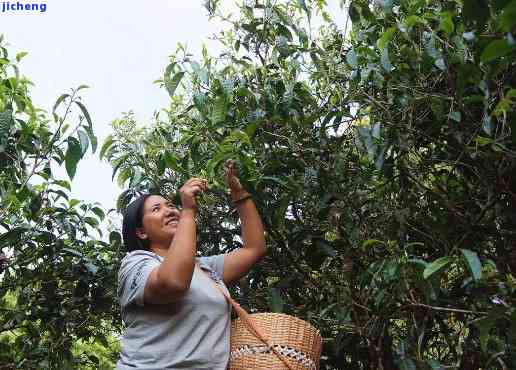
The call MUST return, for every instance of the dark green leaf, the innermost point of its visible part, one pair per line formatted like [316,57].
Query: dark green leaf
[484,325]
[508,17]
[85,114]
[93,139]
[107,144]
[99,212]
[59,101]
[91,221]
[72,156]
[495,50]
[275,300]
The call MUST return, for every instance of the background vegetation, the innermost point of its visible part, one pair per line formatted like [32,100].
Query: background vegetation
[382,161]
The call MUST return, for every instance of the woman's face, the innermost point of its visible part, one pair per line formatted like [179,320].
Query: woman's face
[160,220]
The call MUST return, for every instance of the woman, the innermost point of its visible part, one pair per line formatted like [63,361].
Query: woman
[174,315]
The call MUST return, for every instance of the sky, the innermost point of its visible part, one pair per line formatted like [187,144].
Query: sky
[116,47]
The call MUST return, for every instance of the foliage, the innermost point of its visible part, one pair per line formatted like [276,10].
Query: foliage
[56,277]
[382,162]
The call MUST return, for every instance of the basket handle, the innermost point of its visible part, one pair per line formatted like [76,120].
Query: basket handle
[246,318]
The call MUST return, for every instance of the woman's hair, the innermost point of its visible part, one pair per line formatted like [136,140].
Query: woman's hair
[133,219]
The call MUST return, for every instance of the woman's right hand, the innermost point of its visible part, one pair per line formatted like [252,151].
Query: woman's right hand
[190,189]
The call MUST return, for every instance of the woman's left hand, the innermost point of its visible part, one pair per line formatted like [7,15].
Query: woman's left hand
[230,175]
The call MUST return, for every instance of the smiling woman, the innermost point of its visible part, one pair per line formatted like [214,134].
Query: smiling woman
[174,316]
[18,6]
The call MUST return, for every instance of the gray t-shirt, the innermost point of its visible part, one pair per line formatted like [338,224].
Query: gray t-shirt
[189,333]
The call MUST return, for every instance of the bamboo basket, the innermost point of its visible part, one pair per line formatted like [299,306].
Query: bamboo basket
[292,344]
[271,341]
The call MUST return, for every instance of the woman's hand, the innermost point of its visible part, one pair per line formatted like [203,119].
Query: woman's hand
[230,175]
[190,189]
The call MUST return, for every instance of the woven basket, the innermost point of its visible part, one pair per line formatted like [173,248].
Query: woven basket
[271,341]
[295,340]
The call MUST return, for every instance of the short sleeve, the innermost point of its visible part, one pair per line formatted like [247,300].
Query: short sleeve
[214,263]
[132,277]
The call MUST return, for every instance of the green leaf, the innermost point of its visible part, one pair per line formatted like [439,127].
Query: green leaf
[446,23]
[473,262]
[484,326]
[72,156]
[171,161]
[99,212]
[172,83]
[495,50]
[93,139]
[64,184]
[436,266]
[508,17]
[59,101]
[385,38]
[73,202]
[91,221]
[12,236]
[371,243]
[219,110]
[107,144]
[83,140]
[20,55]
[73,252]
[275,301]
[85,114]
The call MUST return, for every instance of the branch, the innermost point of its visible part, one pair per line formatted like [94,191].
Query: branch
[457,310]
